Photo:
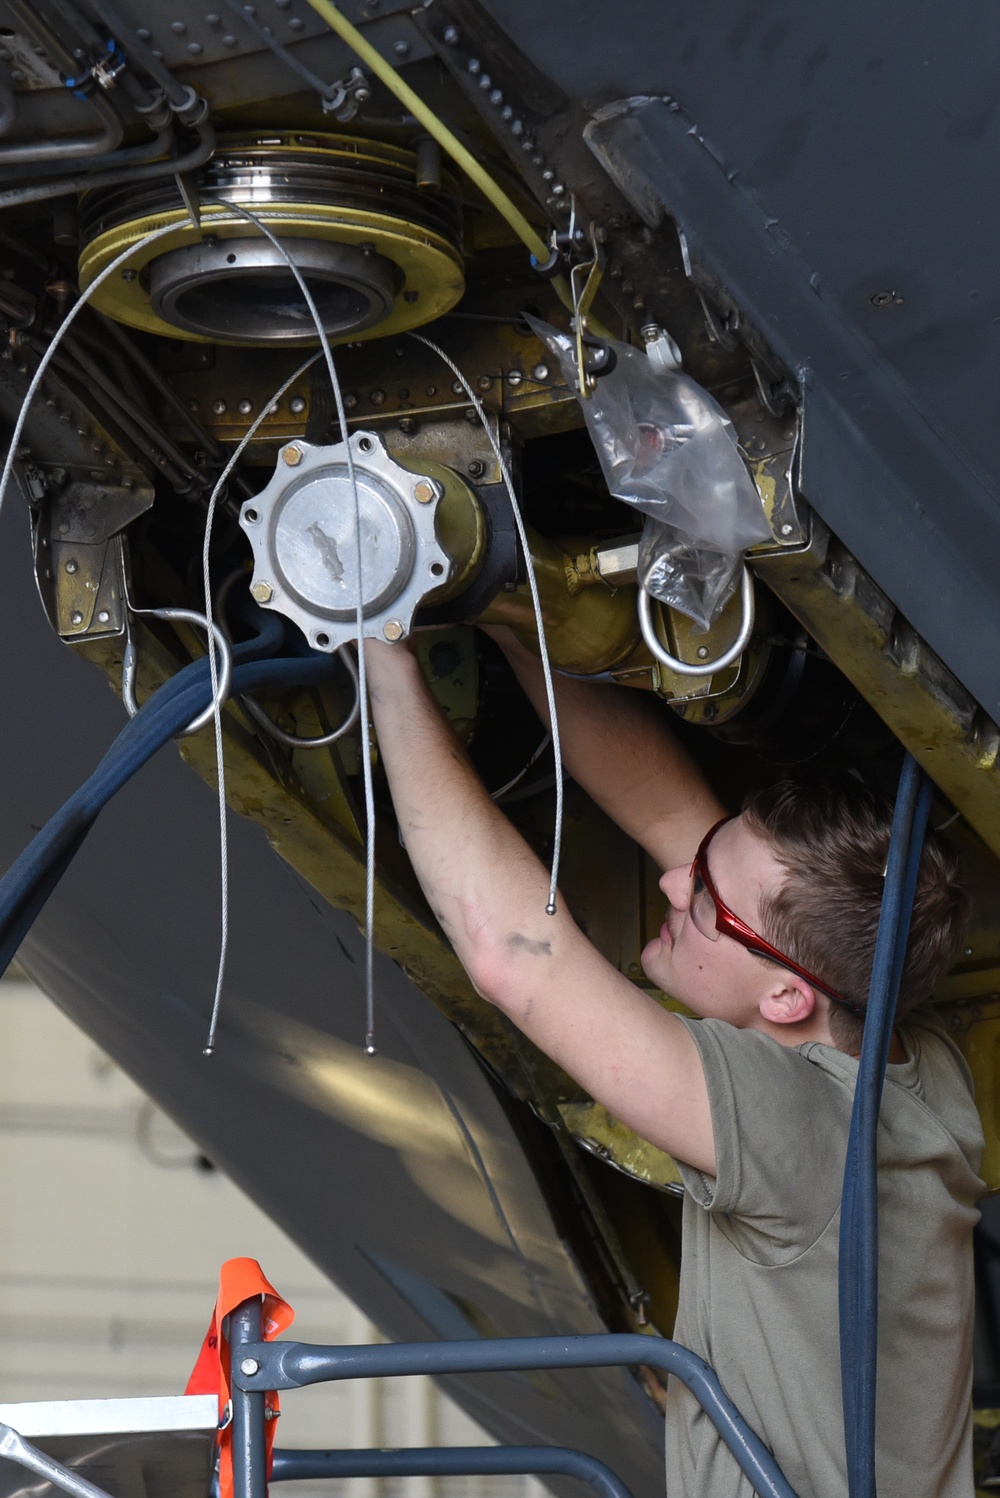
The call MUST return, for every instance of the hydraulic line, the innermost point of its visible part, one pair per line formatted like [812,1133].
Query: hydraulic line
[327,91]
[72,146]
[858,1269]
[178,94]
[172,166]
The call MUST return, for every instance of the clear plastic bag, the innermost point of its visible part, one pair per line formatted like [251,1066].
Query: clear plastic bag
[668,449]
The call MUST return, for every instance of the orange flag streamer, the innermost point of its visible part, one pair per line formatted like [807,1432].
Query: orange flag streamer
[239,1280]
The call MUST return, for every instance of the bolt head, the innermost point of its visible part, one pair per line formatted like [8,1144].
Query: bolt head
[452,36]
[702,652]
[71,566]
[786,529]
[129,275]
[249,1366]
[291,455]
[76,617]
[297,405]
[262,592]
[540,372]
[392,629]
[245,407]
[423,493]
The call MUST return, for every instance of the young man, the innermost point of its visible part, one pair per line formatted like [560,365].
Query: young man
[768,938]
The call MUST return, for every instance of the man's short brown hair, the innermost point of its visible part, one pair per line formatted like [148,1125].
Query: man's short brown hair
[832,836]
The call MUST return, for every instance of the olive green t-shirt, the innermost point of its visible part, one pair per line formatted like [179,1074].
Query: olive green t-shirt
[758,1294]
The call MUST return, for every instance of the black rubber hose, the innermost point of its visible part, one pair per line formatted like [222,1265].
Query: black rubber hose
[68,146]
[199,153]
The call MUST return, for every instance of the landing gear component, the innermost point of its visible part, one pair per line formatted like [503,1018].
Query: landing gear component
[379,253]
[302,530]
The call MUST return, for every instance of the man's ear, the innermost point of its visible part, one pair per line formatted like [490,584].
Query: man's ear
[789,1001]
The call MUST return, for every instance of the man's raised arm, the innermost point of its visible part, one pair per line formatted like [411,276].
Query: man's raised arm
[616,745]
[489,891]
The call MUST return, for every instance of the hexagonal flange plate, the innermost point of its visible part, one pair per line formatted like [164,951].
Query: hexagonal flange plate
[303,530]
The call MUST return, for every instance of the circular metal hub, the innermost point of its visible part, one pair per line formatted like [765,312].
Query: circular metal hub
[313,546]
[242,290]
[379,254]
[303,528]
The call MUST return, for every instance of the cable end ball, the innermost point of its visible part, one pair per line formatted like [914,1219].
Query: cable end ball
[550,908]
[209,1050]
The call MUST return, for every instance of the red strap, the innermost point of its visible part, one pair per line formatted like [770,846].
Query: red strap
[239,1280]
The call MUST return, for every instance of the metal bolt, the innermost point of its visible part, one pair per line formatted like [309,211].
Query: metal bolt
[514,377]
[76,617]
[485,382]
[377,397]
[229,41]
[350,401]
[967,951]
[178,28]
[540,372]
[211,19]
[103,616]
[297,405]
[71,567]
[485,82]
[219,407]
[557,189]
[195,48]
[129,275]
[471,417]
[476,468]
[392,629]
[452,36]
[474,66]
[401,48]
[292,455]
[787,528]
[457,387]
[143,33]
[424,492]
[703,652]
[263,593]
[245,406]
[296,23]
[249,1366]
[517,127]
[882,298]
[548,174]
[432,391]
[496,96]
[407,425]
[507,113]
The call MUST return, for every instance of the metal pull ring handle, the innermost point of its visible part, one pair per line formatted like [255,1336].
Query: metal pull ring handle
[293,740]
[700,668]
[131,661]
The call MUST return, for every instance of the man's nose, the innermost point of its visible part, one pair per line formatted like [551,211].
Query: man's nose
[676,885]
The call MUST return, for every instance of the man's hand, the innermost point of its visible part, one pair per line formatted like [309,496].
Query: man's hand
[616,745]
[488,891]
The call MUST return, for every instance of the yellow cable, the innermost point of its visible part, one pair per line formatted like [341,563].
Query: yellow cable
[435,127]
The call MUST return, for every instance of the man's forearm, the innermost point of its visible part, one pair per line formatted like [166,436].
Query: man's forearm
[617,747]
[480,878]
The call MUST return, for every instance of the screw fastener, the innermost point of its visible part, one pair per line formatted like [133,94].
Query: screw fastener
[423,493]
[249,1366]
[292,455]
[392,629]
[262,592]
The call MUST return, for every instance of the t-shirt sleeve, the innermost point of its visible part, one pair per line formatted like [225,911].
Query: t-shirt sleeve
[780,1124]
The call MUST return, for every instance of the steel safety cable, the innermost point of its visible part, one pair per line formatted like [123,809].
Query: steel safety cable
[366,751]
[536,601]
[57,338]
[209,1047]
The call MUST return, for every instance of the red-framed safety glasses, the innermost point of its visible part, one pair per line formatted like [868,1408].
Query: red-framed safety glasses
[713,918]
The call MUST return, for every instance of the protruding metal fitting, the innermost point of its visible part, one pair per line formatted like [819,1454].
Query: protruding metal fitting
[291,455]
[424,492]
[392,629]
[249,1366]
[262,592]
